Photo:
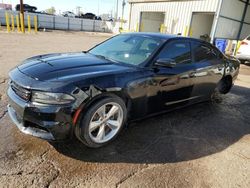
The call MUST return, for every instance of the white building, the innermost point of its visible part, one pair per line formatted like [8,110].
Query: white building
[228,19]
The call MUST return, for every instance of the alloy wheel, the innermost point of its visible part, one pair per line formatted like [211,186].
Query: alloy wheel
[105,123]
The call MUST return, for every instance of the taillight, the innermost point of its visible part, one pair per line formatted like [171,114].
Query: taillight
[243,43]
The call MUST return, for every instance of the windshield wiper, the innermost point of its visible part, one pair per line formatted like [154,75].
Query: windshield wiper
[106,58]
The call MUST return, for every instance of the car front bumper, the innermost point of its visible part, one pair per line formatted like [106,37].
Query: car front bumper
[243,57]
[46,122]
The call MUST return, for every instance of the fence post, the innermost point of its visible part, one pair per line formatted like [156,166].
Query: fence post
[191,32]
[38,24]
[7,21]
[94,26]
[54,22]
[29,25]
[137,27]
[35,23]
[22,23]
[12,23]
[17,23]
[68,23]
[186,31]
[81,24]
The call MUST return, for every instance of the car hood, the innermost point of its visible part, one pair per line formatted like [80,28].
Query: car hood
[67,66]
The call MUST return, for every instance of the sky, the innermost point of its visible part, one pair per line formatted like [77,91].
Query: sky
[105,6]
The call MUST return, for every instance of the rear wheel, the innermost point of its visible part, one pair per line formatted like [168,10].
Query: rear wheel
[102,122]
[223,87]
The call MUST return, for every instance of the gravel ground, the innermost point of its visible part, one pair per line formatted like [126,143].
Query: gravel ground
[206,145]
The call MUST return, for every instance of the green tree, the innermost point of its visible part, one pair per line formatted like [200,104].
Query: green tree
[51,10]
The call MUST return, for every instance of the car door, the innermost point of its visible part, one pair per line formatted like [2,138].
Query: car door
[209,65]
[175,83]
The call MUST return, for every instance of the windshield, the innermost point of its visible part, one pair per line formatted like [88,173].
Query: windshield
[130,49]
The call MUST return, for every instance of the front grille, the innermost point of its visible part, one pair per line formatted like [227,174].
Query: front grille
[20,91]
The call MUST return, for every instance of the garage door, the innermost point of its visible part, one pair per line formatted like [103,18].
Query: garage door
[201,24]
[233,20]
[151,21]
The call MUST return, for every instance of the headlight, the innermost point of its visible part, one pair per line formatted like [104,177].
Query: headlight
[51,98]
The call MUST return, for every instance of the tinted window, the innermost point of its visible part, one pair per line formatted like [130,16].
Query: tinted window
[178,51]
[131,49]
[218,53]
[148,43]
[203,52]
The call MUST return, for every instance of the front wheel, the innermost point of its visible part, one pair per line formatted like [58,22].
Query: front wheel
[102,122]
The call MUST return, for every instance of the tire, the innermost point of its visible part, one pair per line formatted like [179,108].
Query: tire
[225,85]
[94,136]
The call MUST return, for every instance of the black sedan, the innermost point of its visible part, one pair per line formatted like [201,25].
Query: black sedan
[131,76]
[26,8]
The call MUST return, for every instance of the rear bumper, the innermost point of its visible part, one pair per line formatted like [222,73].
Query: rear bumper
[45,122]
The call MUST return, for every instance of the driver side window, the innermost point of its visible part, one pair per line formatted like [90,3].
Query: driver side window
[179,51]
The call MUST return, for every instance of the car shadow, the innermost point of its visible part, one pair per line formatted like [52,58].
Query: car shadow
[186,134]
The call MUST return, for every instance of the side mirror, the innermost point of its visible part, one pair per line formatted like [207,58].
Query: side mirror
[165,62]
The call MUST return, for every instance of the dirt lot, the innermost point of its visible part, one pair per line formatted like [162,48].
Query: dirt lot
[206,145]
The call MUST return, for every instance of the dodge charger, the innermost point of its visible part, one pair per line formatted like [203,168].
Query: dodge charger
[92,94]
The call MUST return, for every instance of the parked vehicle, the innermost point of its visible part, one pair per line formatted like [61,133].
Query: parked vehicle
[243,54]
[69,14]
[44,12]
[93,94]
[110,20]
[26,8]
[89,16]
[98,18]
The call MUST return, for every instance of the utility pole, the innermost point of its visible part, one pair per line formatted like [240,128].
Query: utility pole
[78,10]
[98,11]
[123,6]
[116,14]
[22,13]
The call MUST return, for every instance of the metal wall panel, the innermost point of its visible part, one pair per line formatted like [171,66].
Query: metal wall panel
[245,31]
[247,18]
[178,14]
[223,30]
[232,9]
[230,20]
[59,22]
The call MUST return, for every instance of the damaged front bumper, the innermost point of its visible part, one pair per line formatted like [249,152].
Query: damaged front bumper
[46,122]
[49,122]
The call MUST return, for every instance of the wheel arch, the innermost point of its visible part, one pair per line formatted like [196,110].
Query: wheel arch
[98,95]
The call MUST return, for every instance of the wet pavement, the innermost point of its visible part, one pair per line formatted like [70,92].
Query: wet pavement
[204,145]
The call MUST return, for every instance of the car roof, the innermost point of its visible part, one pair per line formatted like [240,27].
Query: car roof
[163,36]
[156,35]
